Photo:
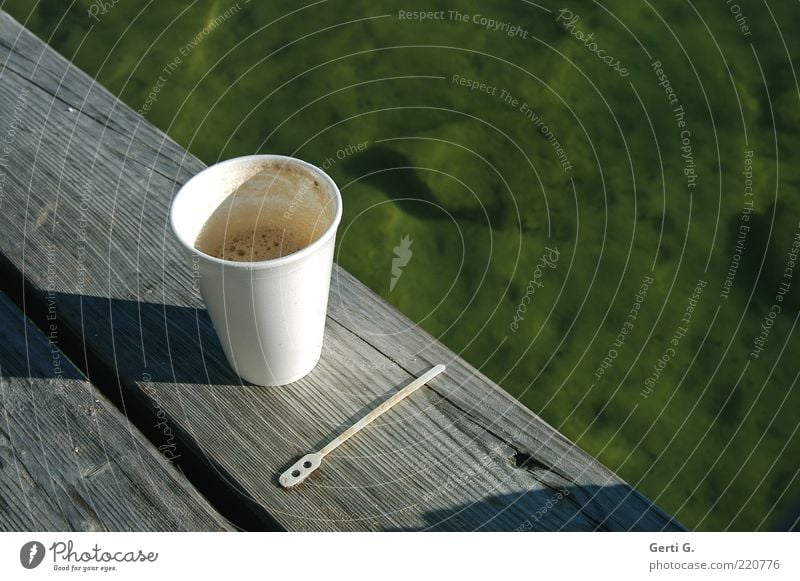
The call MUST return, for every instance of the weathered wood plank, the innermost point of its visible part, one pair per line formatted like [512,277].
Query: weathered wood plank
[90,182]
[68,459]
[534,444]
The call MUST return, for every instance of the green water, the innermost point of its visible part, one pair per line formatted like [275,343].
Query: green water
[570,153]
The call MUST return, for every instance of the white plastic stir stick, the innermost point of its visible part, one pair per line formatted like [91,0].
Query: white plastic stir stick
[310,462]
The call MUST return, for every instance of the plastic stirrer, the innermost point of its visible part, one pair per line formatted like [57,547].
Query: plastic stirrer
[300,470]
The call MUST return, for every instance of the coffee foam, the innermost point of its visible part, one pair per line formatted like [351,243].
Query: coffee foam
[278,208]
[251,245]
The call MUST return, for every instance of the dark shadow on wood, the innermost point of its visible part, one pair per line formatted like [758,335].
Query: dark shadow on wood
[537,510]
[173,344]
[175,334]
[69,461]
[790,521]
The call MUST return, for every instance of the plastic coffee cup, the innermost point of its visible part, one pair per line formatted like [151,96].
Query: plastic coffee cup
[269,315]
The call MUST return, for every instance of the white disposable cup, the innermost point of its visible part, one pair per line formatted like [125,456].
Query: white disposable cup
[269,315]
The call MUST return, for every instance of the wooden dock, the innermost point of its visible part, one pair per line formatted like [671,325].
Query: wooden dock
[119,411]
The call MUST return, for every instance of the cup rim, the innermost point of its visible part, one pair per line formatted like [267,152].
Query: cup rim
[329,232]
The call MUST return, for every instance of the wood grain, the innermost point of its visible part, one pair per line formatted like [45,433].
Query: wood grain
[84,217]
[69,461]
